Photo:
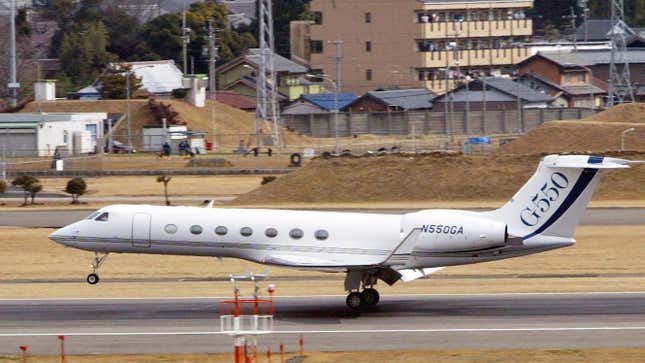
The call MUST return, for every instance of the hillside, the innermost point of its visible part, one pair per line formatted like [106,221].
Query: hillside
[424,178]
[628,112]
[231,123]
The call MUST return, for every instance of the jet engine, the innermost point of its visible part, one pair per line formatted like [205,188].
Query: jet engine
[450,231]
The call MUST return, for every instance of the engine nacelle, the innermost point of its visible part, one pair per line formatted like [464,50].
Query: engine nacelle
[444,231]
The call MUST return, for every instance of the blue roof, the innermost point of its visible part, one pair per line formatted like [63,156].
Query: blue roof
[326,100]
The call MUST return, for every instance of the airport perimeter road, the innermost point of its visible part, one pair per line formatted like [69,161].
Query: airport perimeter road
[576,321]
[56,219]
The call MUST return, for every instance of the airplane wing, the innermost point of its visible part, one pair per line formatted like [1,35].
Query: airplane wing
[302,261]
[408,275]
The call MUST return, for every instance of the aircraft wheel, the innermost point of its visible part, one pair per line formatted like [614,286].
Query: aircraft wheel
[370,297]
[354,300]
[92,279]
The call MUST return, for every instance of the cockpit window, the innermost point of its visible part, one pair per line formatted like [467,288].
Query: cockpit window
[94,214]
[103,217]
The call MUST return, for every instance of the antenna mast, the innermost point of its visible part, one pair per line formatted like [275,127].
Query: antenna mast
[620,87]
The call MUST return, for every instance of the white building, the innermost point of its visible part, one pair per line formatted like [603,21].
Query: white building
[39,134]
[158,77]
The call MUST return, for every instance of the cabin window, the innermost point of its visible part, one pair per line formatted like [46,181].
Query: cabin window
[103,217]
[91,216]
[221,230]
[170,228]
[246,231]
[195,229]
[296,233]
[271,232]
[321,234]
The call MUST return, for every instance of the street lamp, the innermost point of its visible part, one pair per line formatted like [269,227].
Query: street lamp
[128,73]
[335,111]
[622,137]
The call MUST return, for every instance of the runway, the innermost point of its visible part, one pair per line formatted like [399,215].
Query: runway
[174,325]
[57,219]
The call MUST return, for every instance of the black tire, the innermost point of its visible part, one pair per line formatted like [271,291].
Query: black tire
[354,300]
[295,159]
[370,297]
[92,279]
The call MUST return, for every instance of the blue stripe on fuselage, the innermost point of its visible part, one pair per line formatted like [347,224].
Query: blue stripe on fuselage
[581,184]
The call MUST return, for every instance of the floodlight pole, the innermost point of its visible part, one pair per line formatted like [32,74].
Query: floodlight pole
[13,82]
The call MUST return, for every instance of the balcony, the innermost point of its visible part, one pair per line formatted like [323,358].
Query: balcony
[474,57]
[474,29]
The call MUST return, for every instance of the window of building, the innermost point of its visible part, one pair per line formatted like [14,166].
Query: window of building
[271,232]
[65,137]
[318,17]
[170,228]
[581,77]
[368,46]
[321,234]
[103,217]
[368,17]
[368,74]
[316,46]
[221,230]
[92,129]
[246,231]
[296,233]
[195,229]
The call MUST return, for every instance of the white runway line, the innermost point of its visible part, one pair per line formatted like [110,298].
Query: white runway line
[357,331]
[323,296]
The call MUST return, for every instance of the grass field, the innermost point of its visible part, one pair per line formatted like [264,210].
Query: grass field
[606,258]
[624,355]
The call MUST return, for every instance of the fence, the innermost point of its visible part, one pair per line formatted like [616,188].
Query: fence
[428,122]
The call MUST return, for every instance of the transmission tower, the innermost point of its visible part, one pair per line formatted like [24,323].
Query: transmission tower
[620,87]
[267,85]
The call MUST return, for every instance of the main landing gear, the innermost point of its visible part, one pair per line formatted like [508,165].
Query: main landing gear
[368,297]
[93,278]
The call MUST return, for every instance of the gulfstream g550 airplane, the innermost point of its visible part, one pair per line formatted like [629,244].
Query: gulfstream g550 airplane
[367,247]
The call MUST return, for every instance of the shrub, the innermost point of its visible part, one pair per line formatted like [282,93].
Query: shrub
[76,187]
[180,93]
[268,179]
[3,186]
[27,182]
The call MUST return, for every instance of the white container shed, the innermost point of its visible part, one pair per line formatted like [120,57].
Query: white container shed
[38,134]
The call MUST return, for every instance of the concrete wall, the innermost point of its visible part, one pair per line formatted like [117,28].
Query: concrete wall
[420,122]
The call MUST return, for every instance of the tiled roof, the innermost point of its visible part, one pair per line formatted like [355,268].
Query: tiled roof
[598,29]
[406,99]
[592,57]
[477,96]
[516,89]
[326,100]
[281,63]
[236,100]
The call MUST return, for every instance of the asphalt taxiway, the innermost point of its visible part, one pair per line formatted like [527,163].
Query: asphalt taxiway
[59,218]
[177,325]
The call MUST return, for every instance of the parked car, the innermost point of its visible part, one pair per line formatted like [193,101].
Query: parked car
[120,148]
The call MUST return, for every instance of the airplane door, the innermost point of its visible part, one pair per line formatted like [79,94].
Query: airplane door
[141,230]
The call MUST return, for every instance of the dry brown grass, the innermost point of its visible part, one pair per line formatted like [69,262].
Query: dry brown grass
[423,179]
[627,112]
[595,253]
[625,355]
[180,185]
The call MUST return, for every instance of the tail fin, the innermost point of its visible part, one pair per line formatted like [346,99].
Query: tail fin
[553,200]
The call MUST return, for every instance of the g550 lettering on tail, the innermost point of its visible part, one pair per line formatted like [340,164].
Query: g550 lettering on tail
[542,201]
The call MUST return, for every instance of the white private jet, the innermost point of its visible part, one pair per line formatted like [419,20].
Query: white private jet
[367,247]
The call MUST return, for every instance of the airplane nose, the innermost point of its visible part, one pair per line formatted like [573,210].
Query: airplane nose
[62,235]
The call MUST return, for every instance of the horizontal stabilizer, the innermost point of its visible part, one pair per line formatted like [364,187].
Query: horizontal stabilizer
[408,275]
[588,162]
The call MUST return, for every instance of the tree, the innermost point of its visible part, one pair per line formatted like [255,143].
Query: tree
[76,187]
[165,179]
[114,83]
[29,185]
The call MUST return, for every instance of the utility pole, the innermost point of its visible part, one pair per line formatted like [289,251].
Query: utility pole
[13,81]
[338,57]
[185,39]
[212,87]
[267,89]
[620,86]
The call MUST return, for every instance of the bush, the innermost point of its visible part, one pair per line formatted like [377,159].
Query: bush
[29,184]
[76,187]
[3,186]
[180,93]
[268,179]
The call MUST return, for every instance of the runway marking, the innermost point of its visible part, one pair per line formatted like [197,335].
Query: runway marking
[333,295]
[356,331]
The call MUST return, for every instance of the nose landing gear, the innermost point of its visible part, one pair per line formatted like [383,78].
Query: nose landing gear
[93,278]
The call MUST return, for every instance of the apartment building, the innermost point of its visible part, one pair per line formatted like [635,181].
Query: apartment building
[416,43]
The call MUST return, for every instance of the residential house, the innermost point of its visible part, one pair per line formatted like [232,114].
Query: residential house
[492,93]
[319,103]
[393,100]
[239,75]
